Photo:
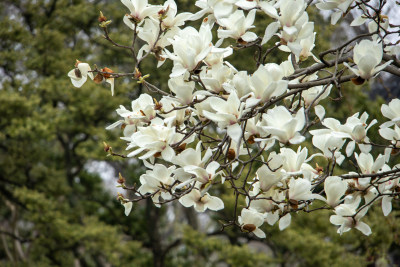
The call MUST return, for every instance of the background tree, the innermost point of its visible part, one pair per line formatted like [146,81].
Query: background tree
[57,212]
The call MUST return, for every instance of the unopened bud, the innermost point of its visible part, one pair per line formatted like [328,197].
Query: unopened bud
[121,179]
[358,80]
[231,154]
[249,227]
[106,147]
[98,78]
[180,148]
[108,70]
[102,18]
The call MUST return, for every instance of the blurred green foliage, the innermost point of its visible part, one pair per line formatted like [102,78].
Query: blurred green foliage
[55,212]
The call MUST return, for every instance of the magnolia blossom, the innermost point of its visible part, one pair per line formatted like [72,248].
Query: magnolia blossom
[139,9]
[190,48]
[367,56]
[392,135]
[183,90]
[250,220]
[270,175]
[346,219]
[157,182]
[142,112]
[284,126]
[214,78]
[200,201]
[392,112]
[170,16]
[155,140]
[237,25]
[128,207]
[80,73]
[335,187]
[227,113]
[340,6]
[265,83]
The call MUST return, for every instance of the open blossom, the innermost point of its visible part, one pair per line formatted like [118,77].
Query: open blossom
[157,182]
[171,18]
[284,126]
[154,140]
[340,7]
[236,26]
[343,217]
[335,187]
[214,78]
[142,112]
[190,48]
[265,83]
[271,175]
[183,90]
[150,34]
[139,9]
[218,8]
[80,73]
[392,135]
[392,112]
[227,115]
[201,202]
[316,93]
[367,56]
[250,220]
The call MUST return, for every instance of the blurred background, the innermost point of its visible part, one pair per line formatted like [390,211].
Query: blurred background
[58,190]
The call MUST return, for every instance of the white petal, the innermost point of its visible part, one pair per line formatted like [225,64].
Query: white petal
[285,221]
[128,208]
[259,233]
[270,31]
[320,112]
[235,132]
[364,228]
[386,205]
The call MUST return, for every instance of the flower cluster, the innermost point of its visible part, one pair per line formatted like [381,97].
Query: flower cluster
[217,125]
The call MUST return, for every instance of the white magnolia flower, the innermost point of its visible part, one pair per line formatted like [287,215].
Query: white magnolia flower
[157,182]
[367,56]
[219,8]
[250,220]
[142,112]
[190,48]
[265,83]
[284,126]
[150,34]
[315,94]
[335,187]
[340,7]
[291,11]
[329,145]
[344,217]
[227,114]
[392,135]
[300,190]
[214,78]
[80,73]
[201,202]
[183,90]
[271,175]
[171,18]
[154,139]
[236,26]
[139,9]
[128,207]
[368,165]
[392,112]
[238,84]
